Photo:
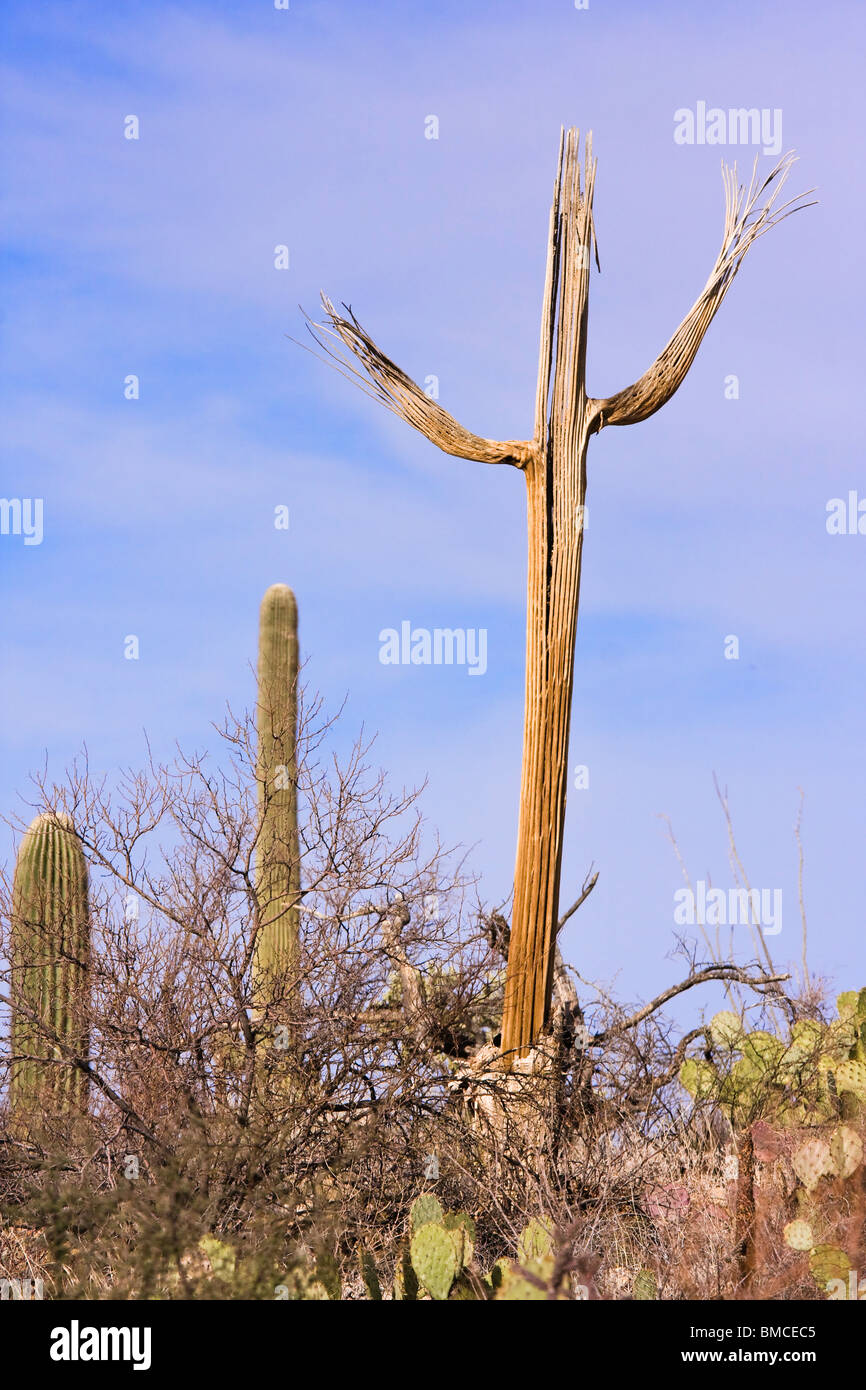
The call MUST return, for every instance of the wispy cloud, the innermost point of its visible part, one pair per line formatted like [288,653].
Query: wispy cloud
[156,257]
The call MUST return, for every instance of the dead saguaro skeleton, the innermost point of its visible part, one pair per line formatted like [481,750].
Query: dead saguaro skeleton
[554,465]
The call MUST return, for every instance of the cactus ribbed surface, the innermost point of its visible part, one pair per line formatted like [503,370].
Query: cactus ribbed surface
[278,858]
[50,957]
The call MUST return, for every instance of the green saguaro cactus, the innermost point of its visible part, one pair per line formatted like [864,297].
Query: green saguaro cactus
[278,878]
[50,958]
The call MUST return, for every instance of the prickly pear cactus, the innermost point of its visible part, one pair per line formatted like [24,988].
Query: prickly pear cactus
[840,1156]
[755,1074]
[828,1262]
[846,1151]
[700,1078]
[811,1162]
[799,1235]
[425,1208]
[762,1049]
[851,1076]
[837,1158]
[535,1242]
[516,1286]
[464,1228]
[852,1013]
[532,1280]
[437,1258]
[726,1029]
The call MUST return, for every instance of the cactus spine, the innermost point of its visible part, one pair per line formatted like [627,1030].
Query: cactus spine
[278,859]
[50,957]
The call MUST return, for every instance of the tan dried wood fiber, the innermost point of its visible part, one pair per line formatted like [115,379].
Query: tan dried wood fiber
[554,464]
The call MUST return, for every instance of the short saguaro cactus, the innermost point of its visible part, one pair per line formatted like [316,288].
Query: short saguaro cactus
[50,959]
[277,856]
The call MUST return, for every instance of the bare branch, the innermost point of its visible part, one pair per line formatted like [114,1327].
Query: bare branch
[701,977]
[587,889]
[404,397]
[746,219]
[69,1057]
[564,990]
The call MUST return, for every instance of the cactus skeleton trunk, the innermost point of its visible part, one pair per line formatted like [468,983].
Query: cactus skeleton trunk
[554,462]
[277,851]
[555,491]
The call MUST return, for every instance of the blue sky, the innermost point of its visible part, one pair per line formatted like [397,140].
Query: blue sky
[306,128]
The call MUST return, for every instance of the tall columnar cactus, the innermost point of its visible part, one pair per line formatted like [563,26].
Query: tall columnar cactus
[278,878]
[50,958]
